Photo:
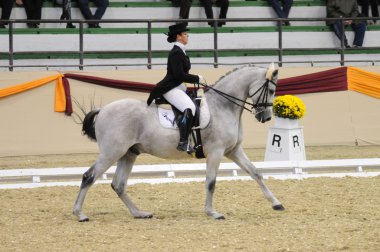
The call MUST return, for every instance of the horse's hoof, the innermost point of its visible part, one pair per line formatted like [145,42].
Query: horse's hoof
[278,208]
[144,216]
[84,220]
[220,218]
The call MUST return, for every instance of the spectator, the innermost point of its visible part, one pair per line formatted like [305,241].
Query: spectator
[6,9]
[184,8]
[33,11]
[66,11]
[282,8]
[346,9]
[101,9]
[223,10]
[374,9]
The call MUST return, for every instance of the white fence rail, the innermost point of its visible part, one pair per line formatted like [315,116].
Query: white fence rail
[31,178]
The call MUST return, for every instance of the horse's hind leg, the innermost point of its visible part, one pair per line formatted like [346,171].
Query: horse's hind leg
[89,178]
[239,157]
[119,182]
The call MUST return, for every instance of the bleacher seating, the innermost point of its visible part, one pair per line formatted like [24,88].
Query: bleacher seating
[126,43]
[144,9]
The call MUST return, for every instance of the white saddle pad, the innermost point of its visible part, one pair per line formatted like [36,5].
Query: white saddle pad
[166,116]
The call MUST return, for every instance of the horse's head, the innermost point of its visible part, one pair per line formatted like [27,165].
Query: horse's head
[262,94]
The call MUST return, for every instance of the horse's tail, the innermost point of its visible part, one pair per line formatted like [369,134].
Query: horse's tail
[88,127]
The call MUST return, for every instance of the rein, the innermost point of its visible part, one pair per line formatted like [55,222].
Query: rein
[263,97]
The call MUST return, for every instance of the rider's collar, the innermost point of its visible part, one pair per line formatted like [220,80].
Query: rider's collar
[180,45]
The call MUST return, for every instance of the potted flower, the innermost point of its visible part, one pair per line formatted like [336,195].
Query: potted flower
[287,109]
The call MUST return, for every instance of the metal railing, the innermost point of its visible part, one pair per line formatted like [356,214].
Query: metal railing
[149,52]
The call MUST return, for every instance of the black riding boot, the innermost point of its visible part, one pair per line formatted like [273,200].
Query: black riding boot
[66,13]
[185,124]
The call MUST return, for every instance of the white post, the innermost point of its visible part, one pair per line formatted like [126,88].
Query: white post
[170,174]
[36,179]
[359,169]
[234,173]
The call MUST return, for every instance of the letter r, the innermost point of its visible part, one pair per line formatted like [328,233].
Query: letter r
[276,139]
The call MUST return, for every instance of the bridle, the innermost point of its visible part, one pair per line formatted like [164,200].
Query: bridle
[261,103]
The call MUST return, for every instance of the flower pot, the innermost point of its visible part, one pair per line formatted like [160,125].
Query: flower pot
[285,123]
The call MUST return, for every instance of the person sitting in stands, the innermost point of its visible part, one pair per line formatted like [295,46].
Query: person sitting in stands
[184,8]
[6,9]
[223,10]
[33,11]
[66,11]
[374,9]
[101,9]
[282,8]
[346,9]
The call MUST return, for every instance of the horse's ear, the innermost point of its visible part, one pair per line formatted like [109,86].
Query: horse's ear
[271,72]
[274,74]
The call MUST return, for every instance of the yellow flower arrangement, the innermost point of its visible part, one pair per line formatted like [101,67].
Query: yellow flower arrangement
[289,106]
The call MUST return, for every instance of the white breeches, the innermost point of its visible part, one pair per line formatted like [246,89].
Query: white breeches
[179,99]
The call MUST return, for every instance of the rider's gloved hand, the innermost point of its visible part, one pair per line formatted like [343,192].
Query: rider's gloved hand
[201,80]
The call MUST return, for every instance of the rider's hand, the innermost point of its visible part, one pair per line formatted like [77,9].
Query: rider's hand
[201,80]
[347,22]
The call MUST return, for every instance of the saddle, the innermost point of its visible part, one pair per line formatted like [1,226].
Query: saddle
[170,119]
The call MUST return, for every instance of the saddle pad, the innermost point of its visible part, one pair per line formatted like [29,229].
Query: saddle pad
[166,116]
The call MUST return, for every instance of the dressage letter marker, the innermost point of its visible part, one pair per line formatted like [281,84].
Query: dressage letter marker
[285,142]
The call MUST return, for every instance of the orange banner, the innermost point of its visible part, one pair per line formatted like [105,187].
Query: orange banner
[60,99]
[363,81]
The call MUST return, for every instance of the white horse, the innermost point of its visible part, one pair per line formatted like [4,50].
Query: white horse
[128,127]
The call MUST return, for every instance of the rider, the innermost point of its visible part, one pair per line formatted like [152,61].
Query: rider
[172,87]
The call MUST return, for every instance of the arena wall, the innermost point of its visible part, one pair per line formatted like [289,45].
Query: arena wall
[29,125]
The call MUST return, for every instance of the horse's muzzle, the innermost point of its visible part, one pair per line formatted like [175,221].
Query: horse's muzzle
[267,119]
[262,118]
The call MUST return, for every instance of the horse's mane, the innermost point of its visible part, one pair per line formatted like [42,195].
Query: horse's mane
[230,72]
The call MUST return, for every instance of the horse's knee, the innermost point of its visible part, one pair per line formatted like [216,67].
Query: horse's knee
[119,189]
[211,186]
[88,177]
[257,176]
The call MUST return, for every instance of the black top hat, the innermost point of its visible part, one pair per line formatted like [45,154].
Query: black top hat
[174,30]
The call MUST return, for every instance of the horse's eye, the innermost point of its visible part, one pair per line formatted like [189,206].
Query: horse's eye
[271,92]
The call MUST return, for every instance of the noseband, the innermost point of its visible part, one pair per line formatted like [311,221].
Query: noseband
[262,101]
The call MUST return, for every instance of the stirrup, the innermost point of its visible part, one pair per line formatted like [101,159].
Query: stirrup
[185,146]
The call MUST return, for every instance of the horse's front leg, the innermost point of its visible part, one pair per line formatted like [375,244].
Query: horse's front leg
[213,162]
[241,159]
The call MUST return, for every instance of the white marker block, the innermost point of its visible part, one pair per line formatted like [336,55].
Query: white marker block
[285,141]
